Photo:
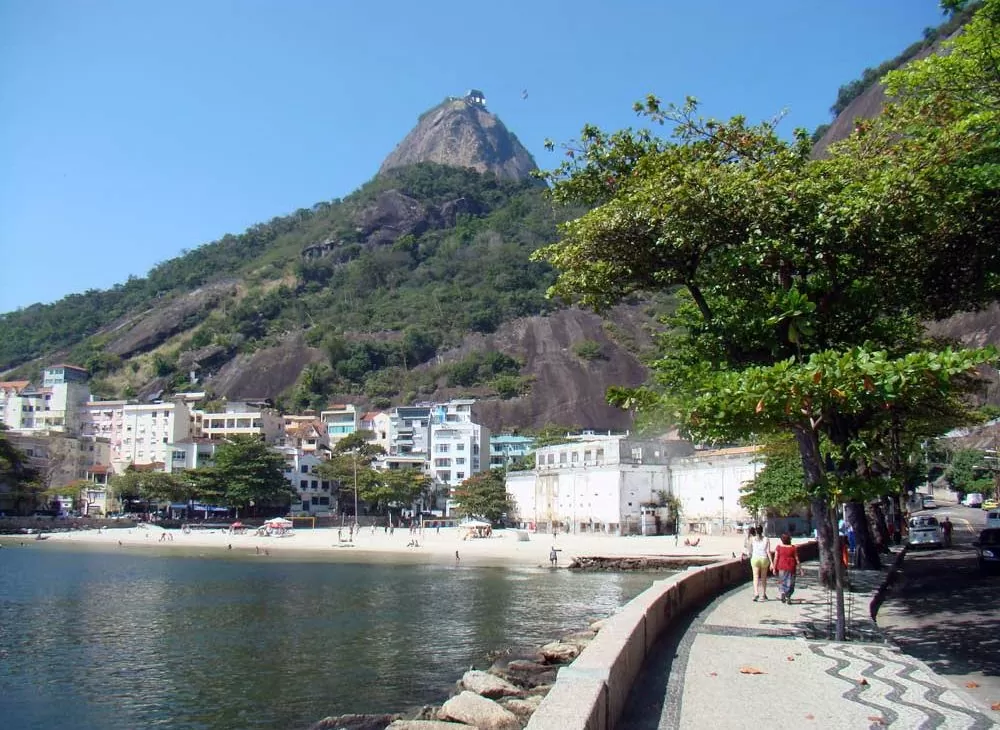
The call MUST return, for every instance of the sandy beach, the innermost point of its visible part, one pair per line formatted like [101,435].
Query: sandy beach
[504,548]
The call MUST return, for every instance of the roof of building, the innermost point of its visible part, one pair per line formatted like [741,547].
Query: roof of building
[98,469]
[730,451]
[15,385]
[151,466]
[370,415]
[66,366]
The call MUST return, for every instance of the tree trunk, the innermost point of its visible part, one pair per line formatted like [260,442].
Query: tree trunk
[838,573]
[867,551]
[876,517]
[812,464]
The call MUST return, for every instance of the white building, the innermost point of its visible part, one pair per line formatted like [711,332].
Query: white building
[341,420]
[594,484]
[191,453]
[410,431]
[55,406]
[316,496]
[139,433]
[378,423]
[708,486]
[239,419]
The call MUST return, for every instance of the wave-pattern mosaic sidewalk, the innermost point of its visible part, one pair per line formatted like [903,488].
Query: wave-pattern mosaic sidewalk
[746,664]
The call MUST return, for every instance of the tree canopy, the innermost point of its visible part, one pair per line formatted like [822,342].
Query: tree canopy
[804,282]
[484,495]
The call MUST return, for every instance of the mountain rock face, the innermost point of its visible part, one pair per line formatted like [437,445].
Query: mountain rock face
[462,133]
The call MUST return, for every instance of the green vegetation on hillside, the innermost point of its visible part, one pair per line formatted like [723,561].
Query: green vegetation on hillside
[871,76]
[376,310]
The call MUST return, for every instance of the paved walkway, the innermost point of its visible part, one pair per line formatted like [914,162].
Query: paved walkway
[771,666]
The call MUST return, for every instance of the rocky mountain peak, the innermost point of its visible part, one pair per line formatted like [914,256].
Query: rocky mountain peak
[461,132]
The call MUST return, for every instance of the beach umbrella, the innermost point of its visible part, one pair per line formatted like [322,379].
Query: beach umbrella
[278,522]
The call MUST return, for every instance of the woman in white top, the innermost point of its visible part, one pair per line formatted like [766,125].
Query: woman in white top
[759,548]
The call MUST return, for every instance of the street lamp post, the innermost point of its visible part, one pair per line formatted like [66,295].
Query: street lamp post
[355,455]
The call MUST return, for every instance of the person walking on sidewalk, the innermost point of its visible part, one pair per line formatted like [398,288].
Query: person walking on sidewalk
[758,547]
[787,565]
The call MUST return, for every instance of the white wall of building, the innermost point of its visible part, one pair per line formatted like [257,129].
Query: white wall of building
[708,486]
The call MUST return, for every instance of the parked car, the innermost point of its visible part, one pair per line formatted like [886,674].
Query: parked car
[993,519]
[927,502]
[990,504]
[973,499]
[925,532]
[988,549]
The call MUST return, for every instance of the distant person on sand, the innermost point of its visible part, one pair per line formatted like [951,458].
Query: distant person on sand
[456,555]
[553,557]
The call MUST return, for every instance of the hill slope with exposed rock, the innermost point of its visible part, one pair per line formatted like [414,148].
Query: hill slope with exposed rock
[418,286]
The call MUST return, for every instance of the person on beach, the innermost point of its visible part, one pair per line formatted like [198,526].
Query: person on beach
[758,547]
[553,557]
[787,565]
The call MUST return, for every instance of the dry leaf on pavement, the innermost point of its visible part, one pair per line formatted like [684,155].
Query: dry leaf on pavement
[876,719]
[971,685]
[750,670]
[810,716]
[791,659]
[863,682]
[995,706]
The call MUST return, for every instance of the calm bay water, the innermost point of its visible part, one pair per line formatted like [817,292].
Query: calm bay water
[100,640]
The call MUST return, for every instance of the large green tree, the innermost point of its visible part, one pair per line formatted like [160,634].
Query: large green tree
[253,474]
[17,478]
[804,283]
[484,495]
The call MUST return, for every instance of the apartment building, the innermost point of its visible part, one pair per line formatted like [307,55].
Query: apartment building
[139,433]
[316,496]
[379,424]
[307,434]
[410,431]
[53,406]
[506,448]
[341,420]
[239,419]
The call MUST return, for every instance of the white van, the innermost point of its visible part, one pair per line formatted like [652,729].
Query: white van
[992,519]
[973,499]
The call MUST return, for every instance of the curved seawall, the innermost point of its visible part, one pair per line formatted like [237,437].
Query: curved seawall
[590,693]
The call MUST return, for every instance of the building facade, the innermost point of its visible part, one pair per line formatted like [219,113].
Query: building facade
[505,449]
[139,433]
[341,420]
[239,419]
[593,484]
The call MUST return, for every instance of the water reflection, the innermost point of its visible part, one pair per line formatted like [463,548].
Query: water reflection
[131,640]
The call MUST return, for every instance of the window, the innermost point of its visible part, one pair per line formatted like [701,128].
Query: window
[562,457]
[304,469]
[460,447]
[600,454]
[303,484]
[314,484]
[587,455]
[443,448]
[551,459]
[443,476]
[324,501]
[575,456]
[164,439]
[442,462]
[459,461]
[637,453]
[460,475]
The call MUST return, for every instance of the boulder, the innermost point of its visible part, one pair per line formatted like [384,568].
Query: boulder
[426,725]
[525,673]
[596,626]
[579,638]
[488,685]
[481,712]
[560,653]
[523,708]
[355,722]
[541,690]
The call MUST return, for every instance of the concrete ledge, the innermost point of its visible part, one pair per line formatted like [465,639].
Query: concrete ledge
[590,693]
[573,702]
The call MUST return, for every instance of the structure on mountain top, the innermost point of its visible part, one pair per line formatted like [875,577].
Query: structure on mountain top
[475,96]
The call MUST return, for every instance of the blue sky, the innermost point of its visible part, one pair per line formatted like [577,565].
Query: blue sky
[133,130]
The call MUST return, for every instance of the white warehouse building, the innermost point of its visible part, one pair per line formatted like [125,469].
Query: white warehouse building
[601,484]
[596,484]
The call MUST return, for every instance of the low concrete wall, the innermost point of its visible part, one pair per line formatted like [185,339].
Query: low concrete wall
[590,693]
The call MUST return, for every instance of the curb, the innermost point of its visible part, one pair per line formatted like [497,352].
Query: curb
[880,595]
